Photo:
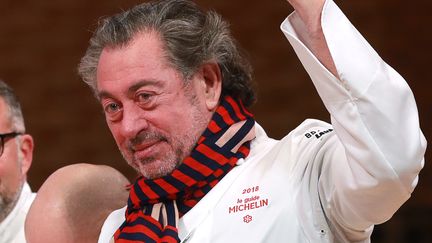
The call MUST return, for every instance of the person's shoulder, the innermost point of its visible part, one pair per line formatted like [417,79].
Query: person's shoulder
[311,129]
[309,134]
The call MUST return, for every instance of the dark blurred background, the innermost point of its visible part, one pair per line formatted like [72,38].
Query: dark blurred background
[41,43]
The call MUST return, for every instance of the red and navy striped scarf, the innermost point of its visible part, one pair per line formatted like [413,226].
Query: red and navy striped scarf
[155,206]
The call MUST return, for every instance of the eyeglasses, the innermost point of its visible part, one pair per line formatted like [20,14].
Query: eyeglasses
[4,137]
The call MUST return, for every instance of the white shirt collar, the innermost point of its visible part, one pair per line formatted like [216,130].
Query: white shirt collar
[13,225]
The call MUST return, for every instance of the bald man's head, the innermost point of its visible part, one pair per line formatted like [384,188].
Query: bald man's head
[73,203]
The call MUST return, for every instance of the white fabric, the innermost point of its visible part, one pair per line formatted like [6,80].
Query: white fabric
[316,184]
[12,227]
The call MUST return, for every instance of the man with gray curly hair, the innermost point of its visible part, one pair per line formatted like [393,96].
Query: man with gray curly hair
[176,90]
[16,153]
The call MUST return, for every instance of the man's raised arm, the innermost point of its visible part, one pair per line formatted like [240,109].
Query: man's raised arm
[379,150]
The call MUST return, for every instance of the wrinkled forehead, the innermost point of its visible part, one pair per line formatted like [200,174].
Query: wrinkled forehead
[144,50]
[142,60]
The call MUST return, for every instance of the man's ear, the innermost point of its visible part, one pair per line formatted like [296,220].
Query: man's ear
[26,150]
[212,84]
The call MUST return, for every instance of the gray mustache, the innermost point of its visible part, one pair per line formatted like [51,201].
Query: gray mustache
[144,137]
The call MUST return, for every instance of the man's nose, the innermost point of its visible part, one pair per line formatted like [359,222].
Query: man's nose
[134,120]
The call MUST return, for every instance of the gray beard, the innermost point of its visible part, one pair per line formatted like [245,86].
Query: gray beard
[7,203]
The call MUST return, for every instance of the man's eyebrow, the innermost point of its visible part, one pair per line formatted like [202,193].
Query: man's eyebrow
[132,89]
[103,94]
[141,83]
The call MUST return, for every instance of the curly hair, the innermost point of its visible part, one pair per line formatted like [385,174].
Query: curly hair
[191,37]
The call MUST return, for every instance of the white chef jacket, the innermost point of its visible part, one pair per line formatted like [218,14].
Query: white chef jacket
[321,182]
[12,227]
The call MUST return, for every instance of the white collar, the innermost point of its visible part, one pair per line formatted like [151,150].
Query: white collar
[14,222]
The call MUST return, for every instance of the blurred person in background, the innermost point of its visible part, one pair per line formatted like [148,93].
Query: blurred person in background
[16,153]
[73,203]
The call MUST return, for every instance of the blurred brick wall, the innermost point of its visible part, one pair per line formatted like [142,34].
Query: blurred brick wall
[41,43]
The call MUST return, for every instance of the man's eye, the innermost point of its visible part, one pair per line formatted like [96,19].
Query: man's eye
[146,100]
[144,97]
[112,108]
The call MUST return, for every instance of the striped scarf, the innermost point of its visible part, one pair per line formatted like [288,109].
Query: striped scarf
[155,206]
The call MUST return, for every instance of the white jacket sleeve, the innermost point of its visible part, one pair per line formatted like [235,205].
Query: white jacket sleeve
[373,168]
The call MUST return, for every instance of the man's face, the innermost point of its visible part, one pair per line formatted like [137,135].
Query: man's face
[11,175]
[154,118]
